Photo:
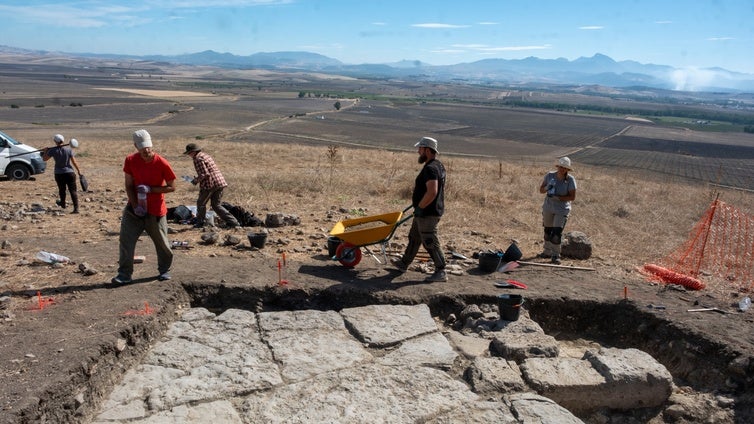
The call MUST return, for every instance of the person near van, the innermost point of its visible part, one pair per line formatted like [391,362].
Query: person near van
[65,176]
[211,186]
[148,176]
[560,189]
[428,200]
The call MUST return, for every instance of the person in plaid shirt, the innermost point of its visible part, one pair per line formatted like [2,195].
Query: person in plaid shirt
[211,185]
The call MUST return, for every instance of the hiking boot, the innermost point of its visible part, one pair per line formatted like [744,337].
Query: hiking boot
[60,203]
[119,279]
[398,263]
[75,211]
[199,225]
[544,255]
[164,276]
[555,259]
[438,276]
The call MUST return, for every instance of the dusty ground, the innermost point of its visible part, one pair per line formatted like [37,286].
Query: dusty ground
[66,336]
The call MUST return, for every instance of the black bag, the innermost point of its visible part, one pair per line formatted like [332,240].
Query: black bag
[179,214]
[244,217]
[84,183]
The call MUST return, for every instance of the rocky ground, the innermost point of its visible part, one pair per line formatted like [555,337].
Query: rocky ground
[68,335]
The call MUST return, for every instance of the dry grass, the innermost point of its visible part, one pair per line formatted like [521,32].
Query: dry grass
[632,218]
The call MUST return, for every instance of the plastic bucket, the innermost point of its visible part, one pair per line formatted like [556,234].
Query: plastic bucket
[490,261]
[509,306]
[512,253]
[257,239]
[332,245]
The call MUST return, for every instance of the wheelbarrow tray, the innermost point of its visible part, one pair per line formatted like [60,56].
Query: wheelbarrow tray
[378,228]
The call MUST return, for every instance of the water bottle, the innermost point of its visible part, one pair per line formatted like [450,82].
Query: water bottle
[744,304]
[141,197]
[51,258]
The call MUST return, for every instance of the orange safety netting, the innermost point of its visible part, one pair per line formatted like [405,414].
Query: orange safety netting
[721,244]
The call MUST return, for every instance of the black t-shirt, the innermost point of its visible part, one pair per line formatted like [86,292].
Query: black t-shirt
[432,170]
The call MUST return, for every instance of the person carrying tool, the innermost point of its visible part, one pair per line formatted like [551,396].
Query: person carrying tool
[65,177]
[148,176]
[428,200]
[560,189]
[211,185]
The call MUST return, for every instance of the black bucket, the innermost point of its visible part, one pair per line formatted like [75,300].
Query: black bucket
[490,261]
[257,239]
[509,306]
[512,253]
[332,245]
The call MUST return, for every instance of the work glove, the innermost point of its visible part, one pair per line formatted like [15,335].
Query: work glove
[140,211]
[141,188]
[551,189]
[418,212]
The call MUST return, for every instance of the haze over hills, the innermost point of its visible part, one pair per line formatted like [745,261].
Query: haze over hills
[598,70]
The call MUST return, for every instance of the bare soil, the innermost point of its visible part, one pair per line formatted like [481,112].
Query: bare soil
[67,337]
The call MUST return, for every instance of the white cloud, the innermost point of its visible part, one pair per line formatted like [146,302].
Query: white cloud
[470,46]
[379,23]
[720,38]
[592,27]
[663,22]
[441,26]
[489,23]
[448,51]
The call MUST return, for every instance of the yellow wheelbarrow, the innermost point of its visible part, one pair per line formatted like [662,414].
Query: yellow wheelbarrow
[363,232]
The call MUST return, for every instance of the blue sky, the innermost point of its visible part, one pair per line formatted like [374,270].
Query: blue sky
[683,34]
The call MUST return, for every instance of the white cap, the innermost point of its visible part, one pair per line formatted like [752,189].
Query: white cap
[58,138]
[142,139]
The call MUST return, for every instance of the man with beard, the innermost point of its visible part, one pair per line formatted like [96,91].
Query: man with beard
[148,176]
[428,200]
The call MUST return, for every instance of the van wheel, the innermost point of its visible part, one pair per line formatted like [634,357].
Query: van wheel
[17,171]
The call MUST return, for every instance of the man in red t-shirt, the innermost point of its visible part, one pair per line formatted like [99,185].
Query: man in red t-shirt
[148,176]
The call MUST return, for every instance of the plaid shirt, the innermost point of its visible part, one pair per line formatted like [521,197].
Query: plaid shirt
[208,173]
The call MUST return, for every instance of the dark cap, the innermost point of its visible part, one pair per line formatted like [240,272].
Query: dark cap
[191,147]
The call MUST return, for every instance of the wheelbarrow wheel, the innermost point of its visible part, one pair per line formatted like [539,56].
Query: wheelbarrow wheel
[348,255]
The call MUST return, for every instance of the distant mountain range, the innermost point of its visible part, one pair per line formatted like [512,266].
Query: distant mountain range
[596,70]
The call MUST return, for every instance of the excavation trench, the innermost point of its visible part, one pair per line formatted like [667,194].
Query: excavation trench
[694,361]
[703,366]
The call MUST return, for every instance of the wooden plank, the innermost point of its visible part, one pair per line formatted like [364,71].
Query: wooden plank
[577,268]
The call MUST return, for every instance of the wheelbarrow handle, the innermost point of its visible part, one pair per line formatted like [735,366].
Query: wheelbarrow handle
[407,208]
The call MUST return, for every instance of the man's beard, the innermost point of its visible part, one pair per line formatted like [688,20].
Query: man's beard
[422,158]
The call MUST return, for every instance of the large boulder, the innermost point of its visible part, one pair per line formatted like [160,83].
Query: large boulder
[576,245]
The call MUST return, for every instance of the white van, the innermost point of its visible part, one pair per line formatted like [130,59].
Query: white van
[19,161]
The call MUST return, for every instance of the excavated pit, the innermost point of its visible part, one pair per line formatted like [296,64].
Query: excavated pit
[694,361]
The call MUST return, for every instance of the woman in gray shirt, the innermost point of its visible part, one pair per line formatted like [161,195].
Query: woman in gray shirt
[560,189]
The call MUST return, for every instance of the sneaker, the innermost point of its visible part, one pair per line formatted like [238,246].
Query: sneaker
[119,279]
[437,276]
[555,259]
[75,211]
[164,276]
[544,255]
[199,225]
[398,263]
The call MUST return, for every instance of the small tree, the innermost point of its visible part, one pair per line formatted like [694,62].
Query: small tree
[337,105]
[332,159]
